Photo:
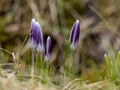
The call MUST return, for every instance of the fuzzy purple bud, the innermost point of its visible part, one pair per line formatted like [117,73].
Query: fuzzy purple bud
[47,49]
[74,35]
[36,36]
[33,34]
[39,39]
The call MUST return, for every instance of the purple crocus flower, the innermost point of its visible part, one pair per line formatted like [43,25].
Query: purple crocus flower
[74,35]
[47,49]
[36,36]
[39,39]
[33,34]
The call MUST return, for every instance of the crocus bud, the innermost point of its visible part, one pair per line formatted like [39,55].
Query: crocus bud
[39,38]
[47,49]
[74,35]
[33,34]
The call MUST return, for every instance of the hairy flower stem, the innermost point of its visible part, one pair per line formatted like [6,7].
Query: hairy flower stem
[32,67]
[41,64]
[37,65]
[71,62]
[47,68]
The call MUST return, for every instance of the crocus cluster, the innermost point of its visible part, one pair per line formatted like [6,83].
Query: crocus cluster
[74,35]
[36,39]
